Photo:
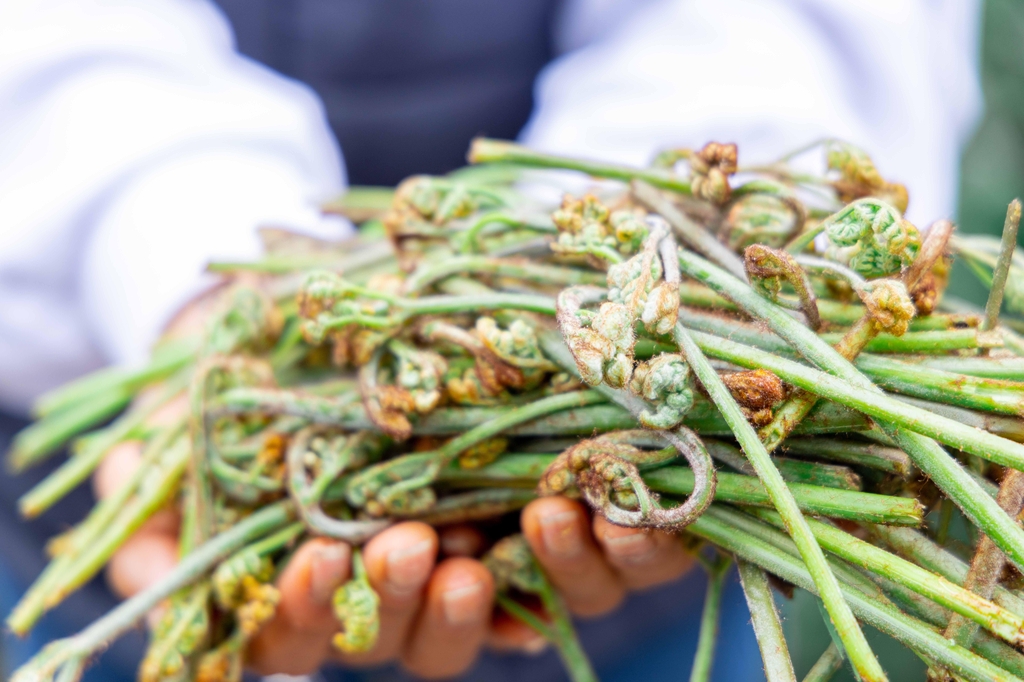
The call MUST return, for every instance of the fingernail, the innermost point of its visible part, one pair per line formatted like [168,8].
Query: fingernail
[327,571]
[462,605]
[409,567]
[561,535]
[535,646]
[633,548]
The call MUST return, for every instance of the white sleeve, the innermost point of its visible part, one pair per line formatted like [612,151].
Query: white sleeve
[897,77]
[136,145]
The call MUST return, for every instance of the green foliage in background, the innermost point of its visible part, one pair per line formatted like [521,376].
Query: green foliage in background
[992,168]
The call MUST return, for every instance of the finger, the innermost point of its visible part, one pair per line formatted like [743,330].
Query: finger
[152,550]
[170,412]
[558,531]
[141,561]
[509,634]
[190,319]
[461,540]
[452,625]
[642,558]
[124,459]
[298,638]
[398,563]
[115,470]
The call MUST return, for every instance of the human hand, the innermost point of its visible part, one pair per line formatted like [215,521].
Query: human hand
[436,609]
[436,598]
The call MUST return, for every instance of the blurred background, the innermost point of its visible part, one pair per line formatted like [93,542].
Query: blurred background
[991,174]
[992,167]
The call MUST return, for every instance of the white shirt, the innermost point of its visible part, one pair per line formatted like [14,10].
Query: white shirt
[136,144]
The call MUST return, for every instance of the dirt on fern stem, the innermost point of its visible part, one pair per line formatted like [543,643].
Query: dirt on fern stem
[761,360]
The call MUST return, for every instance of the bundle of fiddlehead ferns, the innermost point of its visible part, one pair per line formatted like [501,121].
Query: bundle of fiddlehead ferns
[767,367]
